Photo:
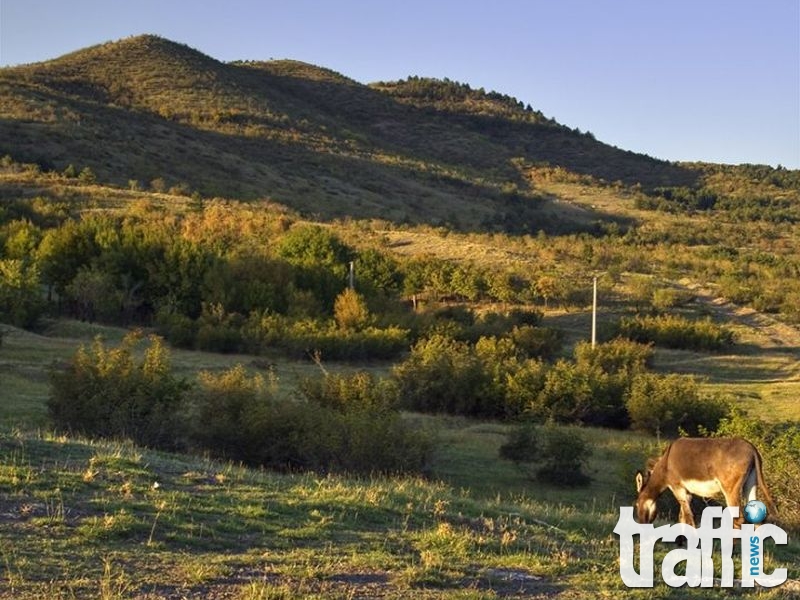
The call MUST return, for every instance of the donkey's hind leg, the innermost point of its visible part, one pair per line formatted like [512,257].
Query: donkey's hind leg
[745,486]
[750,485]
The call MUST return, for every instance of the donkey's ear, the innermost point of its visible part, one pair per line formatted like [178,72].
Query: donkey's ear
[639,481]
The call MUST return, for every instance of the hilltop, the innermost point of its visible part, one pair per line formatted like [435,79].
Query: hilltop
[147,109]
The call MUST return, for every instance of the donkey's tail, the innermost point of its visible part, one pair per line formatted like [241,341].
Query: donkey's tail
[762,485]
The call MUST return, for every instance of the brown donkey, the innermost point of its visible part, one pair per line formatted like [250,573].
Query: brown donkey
[704,467]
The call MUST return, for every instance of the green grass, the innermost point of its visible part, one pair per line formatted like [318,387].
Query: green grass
[87,519]
[84,519]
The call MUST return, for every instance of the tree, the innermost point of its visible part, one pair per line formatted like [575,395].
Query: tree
[21,302]
[62,252]
[377,274]
[321,259]
[22,238]
[350,310]
[95,295]
[87,176]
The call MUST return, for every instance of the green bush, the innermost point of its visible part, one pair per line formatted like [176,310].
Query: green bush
[779,446]
[108,392]
[178,329]
[618,355]
[666,298]
[443,375]
[671,404]
[674,331]
[218,331]
[544,342]
[523,386]
[306,337]
[551,454]
[581,393]
[237,416]
[228,412]
[350,311]
[357,391]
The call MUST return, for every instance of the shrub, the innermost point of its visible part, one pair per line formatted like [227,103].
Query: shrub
[666,298]
[350,311]
[581,393]
[676,332]
[177,328]
[308,338]
[109,393]
[442,375]
[218,331]
[523,386]
[779,446]
[590,390]
[94,296]
[619,355]
[87,176]
[544,342]
[551,454]
[672,404]
[21,301]
[229,412]
[357,391]
[239,417]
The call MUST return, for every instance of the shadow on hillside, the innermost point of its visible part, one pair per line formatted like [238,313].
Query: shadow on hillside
[445,136]
[381,159]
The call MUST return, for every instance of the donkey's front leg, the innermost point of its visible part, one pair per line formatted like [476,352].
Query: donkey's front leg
[684,498]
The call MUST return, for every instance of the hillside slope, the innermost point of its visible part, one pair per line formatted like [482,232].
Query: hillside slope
[419,150]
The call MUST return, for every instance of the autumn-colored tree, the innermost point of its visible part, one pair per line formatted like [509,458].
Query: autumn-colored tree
[350,310]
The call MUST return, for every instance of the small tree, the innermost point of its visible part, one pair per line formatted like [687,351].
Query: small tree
[21,301]
[350,310]
[87,176]
[95,295]
[550,454]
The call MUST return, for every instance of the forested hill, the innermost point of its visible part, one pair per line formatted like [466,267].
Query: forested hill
[150,113]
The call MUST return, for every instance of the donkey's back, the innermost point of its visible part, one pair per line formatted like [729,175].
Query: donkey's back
[707,467]
[710,459]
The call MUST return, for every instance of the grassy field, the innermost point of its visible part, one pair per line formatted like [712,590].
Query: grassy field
[84,519]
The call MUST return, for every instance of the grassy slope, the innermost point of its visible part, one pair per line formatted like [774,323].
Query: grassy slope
[145,107]
[83,519]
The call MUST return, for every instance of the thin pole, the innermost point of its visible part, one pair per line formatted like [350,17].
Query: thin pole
[594,314]
[351,279]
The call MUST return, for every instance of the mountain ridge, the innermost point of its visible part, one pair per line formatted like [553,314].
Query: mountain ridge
[419,150]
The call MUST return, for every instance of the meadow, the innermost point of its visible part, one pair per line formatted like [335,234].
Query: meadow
[106,519]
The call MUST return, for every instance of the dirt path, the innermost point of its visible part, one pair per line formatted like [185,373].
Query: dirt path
[767,350]
[773,333]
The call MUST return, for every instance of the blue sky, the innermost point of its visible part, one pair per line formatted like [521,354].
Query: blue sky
[713,80]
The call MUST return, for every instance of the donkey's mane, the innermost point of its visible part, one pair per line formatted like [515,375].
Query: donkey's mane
[653,461]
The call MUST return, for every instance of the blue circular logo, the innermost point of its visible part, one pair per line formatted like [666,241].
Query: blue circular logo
[755,512]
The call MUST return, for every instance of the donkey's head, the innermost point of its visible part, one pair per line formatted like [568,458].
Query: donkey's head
[646,496]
